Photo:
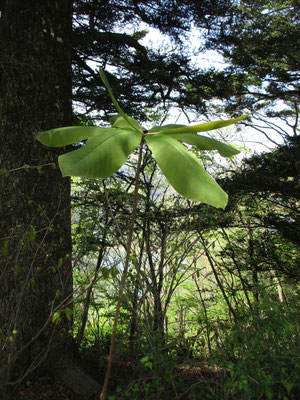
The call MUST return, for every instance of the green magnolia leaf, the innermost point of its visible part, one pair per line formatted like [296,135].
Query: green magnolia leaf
[205,143]
[184,171]
[165,127]
[207,126]
[117,121]
[102,155]
[69,134]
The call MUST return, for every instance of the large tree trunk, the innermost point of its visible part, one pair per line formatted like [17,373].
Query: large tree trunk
[35,240]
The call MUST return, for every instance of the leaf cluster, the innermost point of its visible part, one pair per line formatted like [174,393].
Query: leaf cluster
[107,149]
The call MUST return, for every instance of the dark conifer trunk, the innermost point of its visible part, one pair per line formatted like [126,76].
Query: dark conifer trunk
[35,240]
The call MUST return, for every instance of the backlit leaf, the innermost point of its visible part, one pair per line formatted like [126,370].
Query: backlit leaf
[117,121]
[184,171]
[205,143]
[165,127]
[207,126]
[102,155]
[69,134]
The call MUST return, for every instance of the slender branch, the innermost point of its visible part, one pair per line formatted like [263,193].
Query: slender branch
[124,274]
[217,277]
[104,37]
[90,289]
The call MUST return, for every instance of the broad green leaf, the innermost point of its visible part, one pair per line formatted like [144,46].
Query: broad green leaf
[164,127]
[205,143]
[69,134]
[117,121]
[102,155]
[184,171]
[207,126]
[116,104]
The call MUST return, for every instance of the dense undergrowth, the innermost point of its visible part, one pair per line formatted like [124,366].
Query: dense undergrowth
[256,357]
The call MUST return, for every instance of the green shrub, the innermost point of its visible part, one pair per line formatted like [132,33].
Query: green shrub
[261,354]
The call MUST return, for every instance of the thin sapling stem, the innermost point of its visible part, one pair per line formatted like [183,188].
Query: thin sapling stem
[124,273]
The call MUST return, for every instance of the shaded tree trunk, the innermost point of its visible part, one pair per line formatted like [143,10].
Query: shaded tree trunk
[35,240]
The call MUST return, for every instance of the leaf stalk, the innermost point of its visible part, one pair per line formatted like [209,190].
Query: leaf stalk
[124,274]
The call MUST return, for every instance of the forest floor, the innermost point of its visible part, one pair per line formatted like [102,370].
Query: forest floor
[47,388]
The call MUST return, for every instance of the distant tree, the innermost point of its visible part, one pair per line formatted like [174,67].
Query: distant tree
[268,185]
[260,41]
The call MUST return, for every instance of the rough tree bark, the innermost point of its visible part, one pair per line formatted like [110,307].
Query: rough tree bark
[35,240]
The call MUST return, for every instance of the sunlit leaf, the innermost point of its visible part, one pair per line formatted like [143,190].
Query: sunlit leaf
[117,121]
[184,171]
[102,155]
[68,135]
[165,127]
[205,143]
[207,126]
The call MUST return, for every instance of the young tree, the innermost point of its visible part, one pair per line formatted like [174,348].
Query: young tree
[251,38]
